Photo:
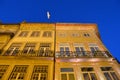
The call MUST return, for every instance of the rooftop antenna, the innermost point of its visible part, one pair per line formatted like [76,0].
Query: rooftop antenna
[48,14]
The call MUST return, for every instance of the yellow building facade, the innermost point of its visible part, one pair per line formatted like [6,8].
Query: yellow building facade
[54,51]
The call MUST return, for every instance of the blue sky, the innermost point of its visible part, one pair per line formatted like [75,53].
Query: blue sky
[105,13]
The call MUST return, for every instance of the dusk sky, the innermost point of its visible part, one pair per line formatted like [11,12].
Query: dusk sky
[105,13]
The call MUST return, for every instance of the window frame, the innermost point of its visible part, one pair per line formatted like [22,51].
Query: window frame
[18,72]
[47,34]
[23,34]
[45,49]
[79,45]
[29,48]
[35,34]
[40,74]
[67,73]
[109,72]
[64,52]
[3,70]
[89,72]
[13,48]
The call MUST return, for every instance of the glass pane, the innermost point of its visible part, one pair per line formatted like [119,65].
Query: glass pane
[107,76]
[92,49]
[96,48]
[63,77]
[67,51]
[106,68]
[82,50]
[77,49]
[71,77]
[93,76]
[86,69]
[61,49]
[66,48]
[114,76]
[86,76]
[66,70]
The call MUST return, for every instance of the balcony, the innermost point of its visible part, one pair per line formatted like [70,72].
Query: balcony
[84,54]
[29,53]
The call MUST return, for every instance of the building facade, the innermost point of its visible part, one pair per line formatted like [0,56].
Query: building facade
[54,51]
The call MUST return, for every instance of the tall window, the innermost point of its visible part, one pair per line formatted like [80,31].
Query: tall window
[13,49]
[18,72]
[35,34]
[64,49]
[3,69]
[109,73]
[45,49]
[40,72]
[47,34]
[79,49]
[67,74]
[94,49]
[29,48]
[23,34]
[88,73]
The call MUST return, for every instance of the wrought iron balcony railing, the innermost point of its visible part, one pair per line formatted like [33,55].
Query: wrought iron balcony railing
[48,53]
[83,54]
[58,54]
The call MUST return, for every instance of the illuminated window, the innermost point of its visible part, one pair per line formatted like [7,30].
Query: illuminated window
[47,34]
[3,69]
[88,73]
[109,73]
[40,72]
[35,34]
[45,49]
[23,34]
[29,48]
[18,72]
[67,74]
[13,49]
[64,49]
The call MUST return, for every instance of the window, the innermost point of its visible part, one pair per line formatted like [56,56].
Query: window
[75,35]
[35,34]
[62,34]
[79,49]
[86,34]
[29,48]
[64,49]
[109,73]
[3,69]
[67,74]
[23,34]
[13,49]
[88,73]
[18,72]
[45,49]
[47,34]
[94,49]
[40,72]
